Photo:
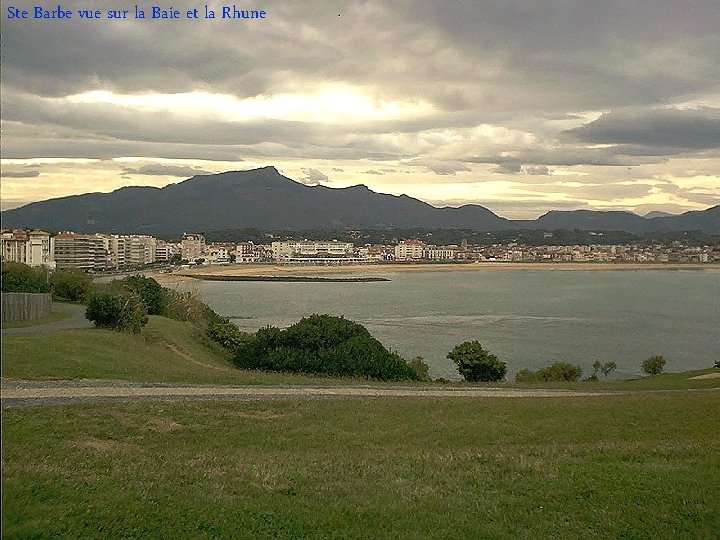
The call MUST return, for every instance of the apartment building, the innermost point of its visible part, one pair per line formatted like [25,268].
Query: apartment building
[34,248]
[86,252]
[289,250]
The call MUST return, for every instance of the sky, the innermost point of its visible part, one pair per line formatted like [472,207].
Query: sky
[520,106]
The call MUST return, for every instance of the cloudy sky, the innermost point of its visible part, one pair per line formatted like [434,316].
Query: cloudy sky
[522,106]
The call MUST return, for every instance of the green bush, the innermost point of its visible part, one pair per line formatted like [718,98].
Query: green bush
[20,278]
[526,375]
[71,285]
[226,334]
[476,364]
[117,311]
[322,344]
[149,290]
[422,370]
[654,365]
[560,371]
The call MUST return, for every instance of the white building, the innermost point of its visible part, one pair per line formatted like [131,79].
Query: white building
[407,250]
[34,248]
[290,250]
[193,246]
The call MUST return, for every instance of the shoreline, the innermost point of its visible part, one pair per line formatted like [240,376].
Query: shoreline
[259,272]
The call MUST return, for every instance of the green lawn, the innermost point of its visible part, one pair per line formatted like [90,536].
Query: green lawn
[632,466]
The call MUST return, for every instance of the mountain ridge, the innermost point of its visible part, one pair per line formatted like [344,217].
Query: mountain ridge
[266,199]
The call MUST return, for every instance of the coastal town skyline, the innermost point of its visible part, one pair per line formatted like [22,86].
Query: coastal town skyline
[520,108]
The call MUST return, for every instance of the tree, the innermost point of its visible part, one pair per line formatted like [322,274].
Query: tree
[72,285]
[476,364]
[608,367]
[654,365]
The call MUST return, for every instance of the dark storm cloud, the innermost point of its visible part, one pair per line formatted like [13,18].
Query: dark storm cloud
[663,129]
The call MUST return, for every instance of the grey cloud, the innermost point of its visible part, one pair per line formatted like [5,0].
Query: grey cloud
[662,129]
[373,171]
[537,170]
[440,167]
[20,174]
[157,169]
[313,177]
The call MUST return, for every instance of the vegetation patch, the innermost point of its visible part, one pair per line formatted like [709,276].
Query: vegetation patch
[322,344]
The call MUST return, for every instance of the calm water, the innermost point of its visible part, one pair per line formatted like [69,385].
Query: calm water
[527,318]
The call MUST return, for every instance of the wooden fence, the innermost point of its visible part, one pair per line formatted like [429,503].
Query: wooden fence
[25,306]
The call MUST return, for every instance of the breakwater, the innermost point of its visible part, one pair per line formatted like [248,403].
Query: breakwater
[288,279]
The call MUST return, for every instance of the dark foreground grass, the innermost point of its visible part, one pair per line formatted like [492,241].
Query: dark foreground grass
[635,466]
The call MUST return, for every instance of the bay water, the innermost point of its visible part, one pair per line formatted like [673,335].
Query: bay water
[528,318]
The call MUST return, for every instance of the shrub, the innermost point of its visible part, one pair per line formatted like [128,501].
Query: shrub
[526,375]
[20,278]
[476,364]
[226,334]
[188,307]
[654,365]
[72,285]
[149,290]
[117,311]
[322,344]
[420,367]
[560,371]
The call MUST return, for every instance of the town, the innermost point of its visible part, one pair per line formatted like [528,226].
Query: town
[113,252]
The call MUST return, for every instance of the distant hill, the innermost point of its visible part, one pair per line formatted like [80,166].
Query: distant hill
[265,199]
[260,198]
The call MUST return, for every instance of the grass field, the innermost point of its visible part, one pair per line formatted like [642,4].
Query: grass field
[635,466]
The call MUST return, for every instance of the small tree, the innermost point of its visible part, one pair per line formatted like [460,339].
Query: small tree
[654,365]
[420,367]
[608,367]
[476,364]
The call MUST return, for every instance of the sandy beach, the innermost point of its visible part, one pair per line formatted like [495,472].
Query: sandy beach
[384,269]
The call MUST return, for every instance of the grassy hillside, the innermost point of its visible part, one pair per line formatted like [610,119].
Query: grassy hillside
[173,351]
[165,351]
[630,466]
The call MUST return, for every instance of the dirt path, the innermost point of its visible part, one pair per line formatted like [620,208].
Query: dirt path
[21,393]
[76,320]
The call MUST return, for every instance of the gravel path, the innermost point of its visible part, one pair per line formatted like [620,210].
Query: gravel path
[17,393]
[77,320]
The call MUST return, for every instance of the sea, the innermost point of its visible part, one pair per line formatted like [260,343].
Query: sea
[527,318]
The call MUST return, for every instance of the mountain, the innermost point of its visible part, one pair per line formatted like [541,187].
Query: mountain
[657,213]
[265,199]
[260,198]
